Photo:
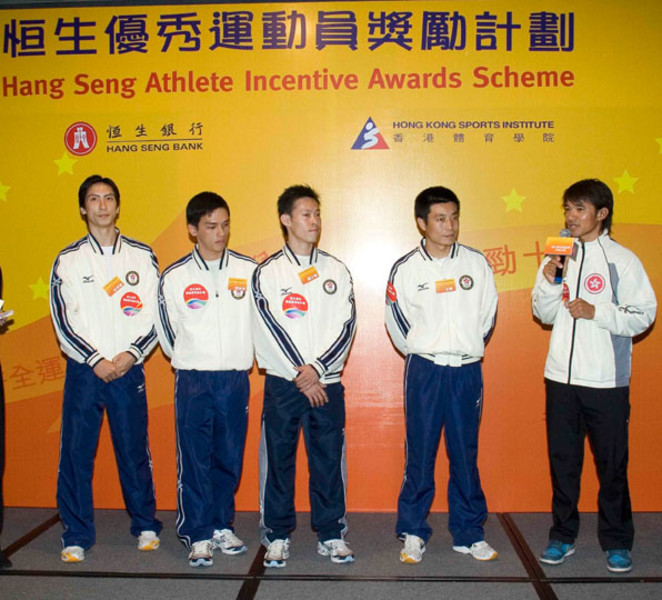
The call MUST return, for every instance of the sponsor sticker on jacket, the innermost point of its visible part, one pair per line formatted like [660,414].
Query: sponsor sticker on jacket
[131,304]
[445,285]
[196,296]
[237,287]
[113,286]
[308,275]
[295,306]
[594,283]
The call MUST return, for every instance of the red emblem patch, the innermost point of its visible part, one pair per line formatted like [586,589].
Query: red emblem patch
[390,292]
[594,283]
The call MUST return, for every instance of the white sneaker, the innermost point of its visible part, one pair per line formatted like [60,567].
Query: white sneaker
[201,554]
[277,553]
[480,550]
[148,540]
[337,549]
[72,554]
[227,542]
[412,551]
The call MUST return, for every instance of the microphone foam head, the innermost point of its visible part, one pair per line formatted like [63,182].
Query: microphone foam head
[565,233]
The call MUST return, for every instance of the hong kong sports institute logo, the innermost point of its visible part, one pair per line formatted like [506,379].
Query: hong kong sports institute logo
[80,138]
[370,138]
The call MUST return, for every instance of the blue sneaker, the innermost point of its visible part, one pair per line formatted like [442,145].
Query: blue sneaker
[556,552]
[619,561]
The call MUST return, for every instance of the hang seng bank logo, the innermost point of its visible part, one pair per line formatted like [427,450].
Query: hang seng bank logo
[80,138]
[370,138]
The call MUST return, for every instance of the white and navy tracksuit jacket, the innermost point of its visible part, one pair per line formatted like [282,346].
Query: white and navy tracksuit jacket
[439,314]
[205,328]
[103,305]
[596,353]
[305,314]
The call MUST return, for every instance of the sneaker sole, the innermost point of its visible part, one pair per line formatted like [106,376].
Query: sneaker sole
[464,550]
[274,564]
[408,560]
[200,562]
[149,546]
[549,561]
[339,560]
[71,559]
[231,551]
[619,569]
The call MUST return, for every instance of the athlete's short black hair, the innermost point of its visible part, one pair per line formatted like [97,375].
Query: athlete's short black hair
[430,196]
[594,191]
[90,181]
[203,204]
[289,197]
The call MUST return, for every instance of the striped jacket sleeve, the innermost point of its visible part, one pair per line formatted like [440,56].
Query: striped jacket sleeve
[397,324]
[340,327]
[146,337]
[65,301]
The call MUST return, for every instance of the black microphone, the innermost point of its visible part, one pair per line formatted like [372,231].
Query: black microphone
[558,275]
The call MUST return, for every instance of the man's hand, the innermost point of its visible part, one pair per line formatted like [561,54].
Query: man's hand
[549,270]
[580,309]
[316,395]
[123,362]
[306,378]
[106,370]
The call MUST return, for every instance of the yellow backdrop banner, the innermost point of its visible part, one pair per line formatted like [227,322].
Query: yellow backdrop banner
[507,102]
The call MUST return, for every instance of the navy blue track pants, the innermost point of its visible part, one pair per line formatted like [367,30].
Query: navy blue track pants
[124,400]
[285,412]
[439,397]
[211,413]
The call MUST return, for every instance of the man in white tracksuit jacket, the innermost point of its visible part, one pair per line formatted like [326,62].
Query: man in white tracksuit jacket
[103,304]
[604,300]
[205,329]
[304,325]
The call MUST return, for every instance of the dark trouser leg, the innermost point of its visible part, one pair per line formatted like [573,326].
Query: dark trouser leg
[565,446]
[607,414]
[229,440]
[466,501]
[126,405]
[324,434]
[194,420]
[82,413]
[424,414]
[282,412]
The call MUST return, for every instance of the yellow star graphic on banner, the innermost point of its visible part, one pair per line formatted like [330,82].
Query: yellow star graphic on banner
[513,201]
[39,289]
[3,191]
[659,141]
[626,182]
[65,164]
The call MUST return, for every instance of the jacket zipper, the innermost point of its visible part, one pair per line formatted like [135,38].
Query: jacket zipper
[574,321]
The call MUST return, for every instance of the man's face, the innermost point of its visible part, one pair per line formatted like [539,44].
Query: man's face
[583,220]
[212,233]
[441,228]
[304,224]
[101,208]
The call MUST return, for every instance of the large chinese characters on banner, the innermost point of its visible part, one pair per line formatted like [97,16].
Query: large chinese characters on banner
[504,102]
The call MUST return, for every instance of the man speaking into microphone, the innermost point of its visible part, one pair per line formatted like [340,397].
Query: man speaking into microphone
[604,300]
